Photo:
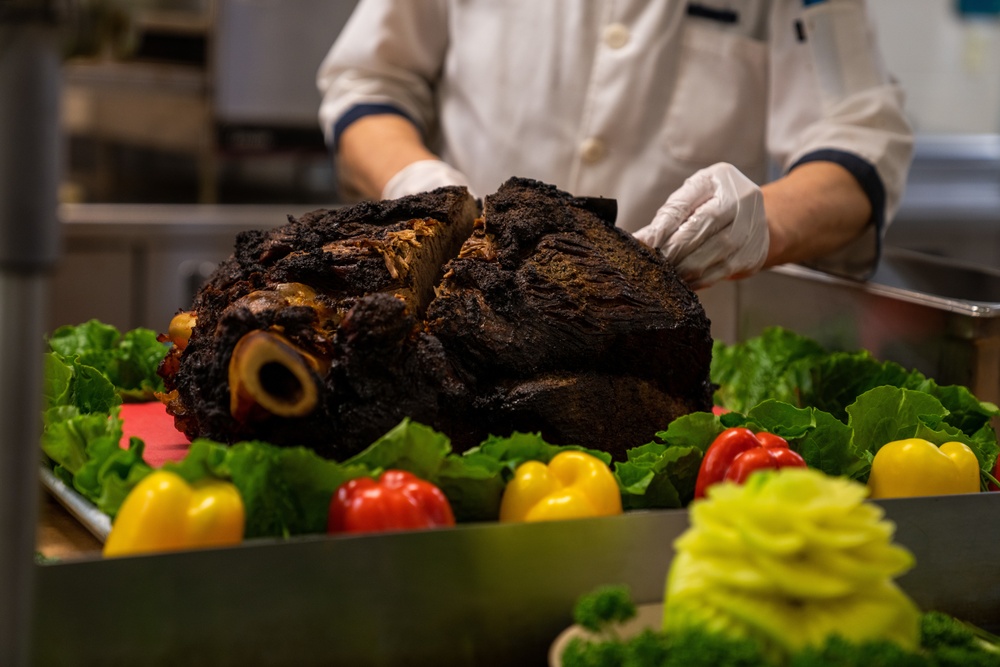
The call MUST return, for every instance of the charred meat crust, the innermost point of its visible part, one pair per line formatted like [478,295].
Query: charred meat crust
[546,289]
[540,315]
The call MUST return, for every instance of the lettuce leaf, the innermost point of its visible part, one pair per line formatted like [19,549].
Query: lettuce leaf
[662,475]
[657,476]
[473,484]
[67,431]
[67,382]
[879,401]
[824,442]
[773,365]
[838,379]
[785,366]
[884,414]
[81,431]
[515,449]
[86,374]
[111,472]
[128,361]
[409,446]
[286,490]
[85,452]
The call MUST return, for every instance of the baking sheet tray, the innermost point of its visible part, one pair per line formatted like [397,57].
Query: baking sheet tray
[94,520]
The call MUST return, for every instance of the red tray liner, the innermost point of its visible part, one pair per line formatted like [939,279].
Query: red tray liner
[151,422]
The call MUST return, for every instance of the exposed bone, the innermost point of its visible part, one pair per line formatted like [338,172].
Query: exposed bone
[268,375]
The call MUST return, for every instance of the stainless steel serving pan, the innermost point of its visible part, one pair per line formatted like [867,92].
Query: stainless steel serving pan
[484,594]
[934,314]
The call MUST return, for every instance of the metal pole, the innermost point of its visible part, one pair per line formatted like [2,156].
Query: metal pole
[29,173]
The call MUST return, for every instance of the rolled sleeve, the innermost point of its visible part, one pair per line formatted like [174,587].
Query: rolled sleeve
[861,127]
[387,59]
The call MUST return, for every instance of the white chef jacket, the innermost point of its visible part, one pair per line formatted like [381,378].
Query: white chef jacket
[627,98]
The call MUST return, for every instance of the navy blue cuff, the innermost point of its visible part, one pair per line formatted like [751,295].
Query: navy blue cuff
[862,170]
[869,180]
[359,111]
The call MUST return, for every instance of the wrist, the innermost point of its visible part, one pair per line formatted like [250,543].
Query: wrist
[375,148]
[813,210]
[779,235]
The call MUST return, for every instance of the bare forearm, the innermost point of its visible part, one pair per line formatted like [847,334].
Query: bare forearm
[815,209]
[374,148]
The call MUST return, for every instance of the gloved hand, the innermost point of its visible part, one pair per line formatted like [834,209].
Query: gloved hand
[712,227]
[423,176]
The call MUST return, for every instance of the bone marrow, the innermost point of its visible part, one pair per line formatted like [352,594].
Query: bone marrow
[269,376]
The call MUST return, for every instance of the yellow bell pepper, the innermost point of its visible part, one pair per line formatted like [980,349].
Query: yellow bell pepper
[165,513]
[573,485]
[917,467]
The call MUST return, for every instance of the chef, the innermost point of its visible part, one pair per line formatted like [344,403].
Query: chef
[735,134]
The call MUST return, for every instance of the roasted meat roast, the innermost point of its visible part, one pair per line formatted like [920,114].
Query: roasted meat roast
[538,315]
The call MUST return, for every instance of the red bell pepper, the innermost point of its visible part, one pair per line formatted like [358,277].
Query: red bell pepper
[398,500]
[737,452]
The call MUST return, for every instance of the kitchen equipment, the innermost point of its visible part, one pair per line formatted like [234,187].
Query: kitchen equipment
[951,206]
[937,315]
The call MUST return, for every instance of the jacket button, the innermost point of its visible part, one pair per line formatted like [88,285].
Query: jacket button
[592,150]
[616,35]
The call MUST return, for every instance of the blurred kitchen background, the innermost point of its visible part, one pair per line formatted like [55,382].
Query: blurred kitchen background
[185,121]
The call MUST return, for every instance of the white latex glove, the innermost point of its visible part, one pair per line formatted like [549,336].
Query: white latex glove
[712,227]
[423,176]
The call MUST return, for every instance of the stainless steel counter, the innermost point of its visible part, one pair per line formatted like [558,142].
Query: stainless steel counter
[136,265]
[159,221]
